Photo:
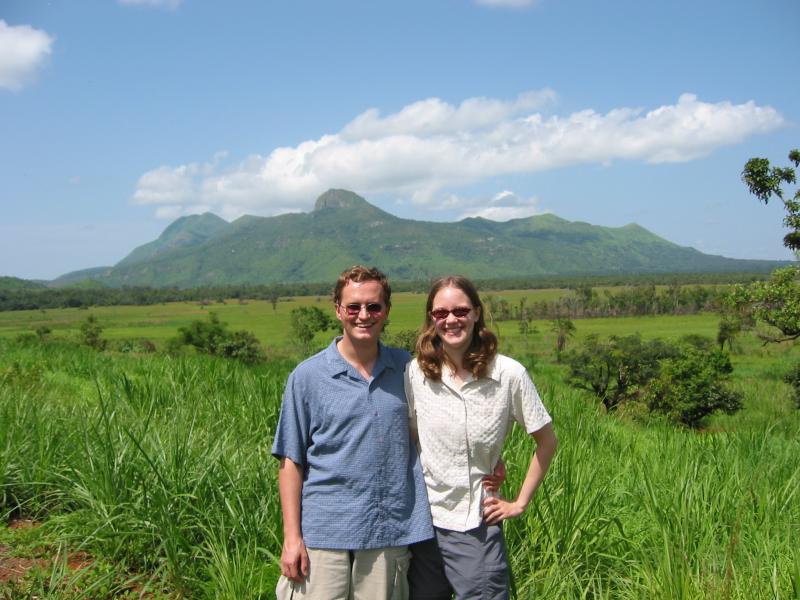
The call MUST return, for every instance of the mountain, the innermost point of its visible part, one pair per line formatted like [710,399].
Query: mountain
[186,232]
[15,283]
[344,229]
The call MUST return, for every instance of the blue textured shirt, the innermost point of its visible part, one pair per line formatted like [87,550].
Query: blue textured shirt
[362,482]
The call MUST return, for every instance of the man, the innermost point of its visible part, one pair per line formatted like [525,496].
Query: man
[352,493]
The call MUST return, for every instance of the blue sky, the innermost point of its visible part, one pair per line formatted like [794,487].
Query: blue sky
[116,117]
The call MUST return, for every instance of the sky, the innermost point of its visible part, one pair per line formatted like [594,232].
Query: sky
[119,116]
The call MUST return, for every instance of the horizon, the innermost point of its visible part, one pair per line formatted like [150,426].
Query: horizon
[123,116]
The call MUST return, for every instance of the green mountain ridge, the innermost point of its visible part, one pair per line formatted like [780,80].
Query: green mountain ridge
[344,229]
[190,231]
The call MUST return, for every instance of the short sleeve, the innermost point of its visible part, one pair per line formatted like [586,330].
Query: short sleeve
[409,390]
[292,433]
[527,408]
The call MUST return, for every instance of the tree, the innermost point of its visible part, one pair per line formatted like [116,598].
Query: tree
[306,321]
[204,336]
[691,386]
[616,368]
[212,337]
[90,333]
[729,328]
[405,339]
[564,329]
[765,181]
[777,301]
[684,381]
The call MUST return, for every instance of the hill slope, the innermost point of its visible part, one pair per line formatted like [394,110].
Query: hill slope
[344,229]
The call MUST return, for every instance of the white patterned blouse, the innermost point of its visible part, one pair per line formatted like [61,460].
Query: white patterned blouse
[461,430]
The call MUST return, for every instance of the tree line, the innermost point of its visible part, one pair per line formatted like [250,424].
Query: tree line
[24,298]
[633,300]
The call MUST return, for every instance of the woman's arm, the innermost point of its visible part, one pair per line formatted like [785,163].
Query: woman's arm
[498,509]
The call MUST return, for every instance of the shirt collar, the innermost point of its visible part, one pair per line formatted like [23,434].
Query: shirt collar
[338,365]
[493,372]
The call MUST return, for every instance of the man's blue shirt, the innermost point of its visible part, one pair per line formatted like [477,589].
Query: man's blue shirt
[362,485]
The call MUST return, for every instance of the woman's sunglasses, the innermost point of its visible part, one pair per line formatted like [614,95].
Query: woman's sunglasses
[442,313]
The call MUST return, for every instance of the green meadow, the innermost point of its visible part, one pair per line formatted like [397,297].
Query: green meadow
[157,468]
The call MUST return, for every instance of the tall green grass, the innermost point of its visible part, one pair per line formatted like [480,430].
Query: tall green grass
[162,467]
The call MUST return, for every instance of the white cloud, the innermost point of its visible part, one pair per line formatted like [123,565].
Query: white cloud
[507,3]
[167,4]
[504,206]
[23,50]
[429,148]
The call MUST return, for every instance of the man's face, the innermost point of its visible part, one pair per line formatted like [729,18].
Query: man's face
[365,325]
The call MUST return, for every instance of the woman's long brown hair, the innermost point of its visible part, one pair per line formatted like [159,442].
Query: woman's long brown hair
[482,348]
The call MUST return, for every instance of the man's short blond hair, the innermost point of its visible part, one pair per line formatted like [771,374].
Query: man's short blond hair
[358,274]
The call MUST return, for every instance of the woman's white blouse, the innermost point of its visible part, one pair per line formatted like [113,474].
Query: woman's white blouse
[461,433]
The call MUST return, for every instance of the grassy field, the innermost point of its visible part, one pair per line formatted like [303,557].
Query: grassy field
[158,469]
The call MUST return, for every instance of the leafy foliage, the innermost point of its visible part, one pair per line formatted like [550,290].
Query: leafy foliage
[306,321]
[765,181]
[615,368]
[793,379]
[684,381]
[564,329]
[212,337]
[775,303]
[91,331]
[405,339]
[690,386]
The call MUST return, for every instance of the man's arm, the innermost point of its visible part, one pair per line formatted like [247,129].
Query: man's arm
[294,557]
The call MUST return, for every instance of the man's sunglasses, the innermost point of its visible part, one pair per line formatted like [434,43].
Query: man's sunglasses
[442,313]
[353,309]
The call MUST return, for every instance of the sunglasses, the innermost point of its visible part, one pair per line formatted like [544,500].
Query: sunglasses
[442,313]
[353,309]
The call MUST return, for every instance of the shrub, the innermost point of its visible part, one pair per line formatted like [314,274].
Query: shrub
[793,379]
[242,345]
[405,339]
[691,386]
[90,333]
[306,322]
[616,368]
[212,337]
[135,345]
[684,382]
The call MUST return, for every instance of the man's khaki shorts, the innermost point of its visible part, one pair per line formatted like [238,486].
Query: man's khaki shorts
[351,575]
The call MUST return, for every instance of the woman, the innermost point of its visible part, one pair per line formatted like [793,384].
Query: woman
[462,399]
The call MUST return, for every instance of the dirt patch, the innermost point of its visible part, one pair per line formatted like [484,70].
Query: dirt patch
[23,524]
[13,569]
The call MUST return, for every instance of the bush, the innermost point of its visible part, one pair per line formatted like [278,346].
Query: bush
[615,369]
[135,345]
[243,346]
[691,386]
[90,333]
[793,379]
[306,321]
[405,339]
[212,337]
[684,382]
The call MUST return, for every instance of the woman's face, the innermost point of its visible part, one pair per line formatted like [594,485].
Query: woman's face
[454,331]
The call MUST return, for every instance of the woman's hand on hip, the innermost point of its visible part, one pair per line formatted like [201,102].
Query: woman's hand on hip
[496,510]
